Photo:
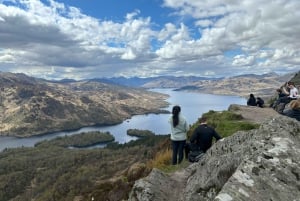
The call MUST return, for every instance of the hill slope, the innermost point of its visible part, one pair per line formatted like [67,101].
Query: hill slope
[30,106]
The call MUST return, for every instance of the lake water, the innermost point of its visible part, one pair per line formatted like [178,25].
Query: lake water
[193,105]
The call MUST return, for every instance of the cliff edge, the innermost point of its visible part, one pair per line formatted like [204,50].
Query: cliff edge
[261,164]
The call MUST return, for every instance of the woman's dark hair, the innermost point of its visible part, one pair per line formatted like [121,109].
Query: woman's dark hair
[175,112]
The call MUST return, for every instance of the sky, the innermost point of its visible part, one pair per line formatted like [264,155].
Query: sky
[81,39]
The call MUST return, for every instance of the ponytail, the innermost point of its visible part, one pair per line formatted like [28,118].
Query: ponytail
[175,117]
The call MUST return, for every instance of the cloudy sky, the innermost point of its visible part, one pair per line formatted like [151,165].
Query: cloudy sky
[104,38]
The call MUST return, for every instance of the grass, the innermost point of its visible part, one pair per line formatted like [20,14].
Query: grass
[162,161]
[227,128]
[227,123]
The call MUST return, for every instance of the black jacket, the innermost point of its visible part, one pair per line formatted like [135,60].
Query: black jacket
[293,113]
[260,102]
[203,136]
[251,101]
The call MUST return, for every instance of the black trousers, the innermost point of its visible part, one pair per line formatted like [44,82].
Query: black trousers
[177,147]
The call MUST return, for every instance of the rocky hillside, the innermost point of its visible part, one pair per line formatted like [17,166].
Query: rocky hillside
[257,165]
[30,106]
[261,85]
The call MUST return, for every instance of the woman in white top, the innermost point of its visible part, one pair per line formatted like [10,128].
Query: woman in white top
[293,91]
[179,128]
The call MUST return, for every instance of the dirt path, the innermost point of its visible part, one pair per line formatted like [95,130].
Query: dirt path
[180,178]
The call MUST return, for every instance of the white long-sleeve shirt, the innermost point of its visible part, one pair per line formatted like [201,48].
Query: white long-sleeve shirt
[293,93]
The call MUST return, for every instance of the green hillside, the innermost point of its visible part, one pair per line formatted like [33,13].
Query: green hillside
[296,79]
[50,172]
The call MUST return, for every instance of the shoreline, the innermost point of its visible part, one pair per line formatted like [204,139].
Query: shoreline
[142,121]
[156,111]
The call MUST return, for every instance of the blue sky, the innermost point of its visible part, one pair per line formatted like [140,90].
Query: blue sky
[116,10]
[80,39]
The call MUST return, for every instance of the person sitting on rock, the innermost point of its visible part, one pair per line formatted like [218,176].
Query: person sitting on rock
[260,102]
[293,92]
[203,135]
[251,101]
[280,95]
[294,110]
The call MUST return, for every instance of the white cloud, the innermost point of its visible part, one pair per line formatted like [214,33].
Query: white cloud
[58,40]
[251,26]
[242,60]
[128,55]
[131,16]
[204,23]
[167,31]
[6,58]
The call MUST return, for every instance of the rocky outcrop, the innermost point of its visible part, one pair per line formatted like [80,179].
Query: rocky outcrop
[261,164]
[252,113]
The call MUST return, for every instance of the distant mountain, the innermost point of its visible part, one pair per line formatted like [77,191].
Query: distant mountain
[154,82]
[272,74]
[261,85]
[131,82]
[30,106]
[62,81]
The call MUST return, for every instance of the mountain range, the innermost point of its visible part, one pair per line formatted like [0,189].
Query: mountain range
[33,106]
[261,85]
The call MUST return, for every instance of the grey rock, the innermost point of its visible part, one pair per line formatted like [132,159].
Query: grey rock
[259,165]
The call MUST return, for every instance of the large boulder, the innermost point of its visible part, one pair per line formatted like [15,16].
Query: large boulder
[261,164]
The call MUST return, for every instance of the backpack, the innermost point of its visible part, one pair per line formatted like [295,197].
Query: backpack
[194,153]
[195,156]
